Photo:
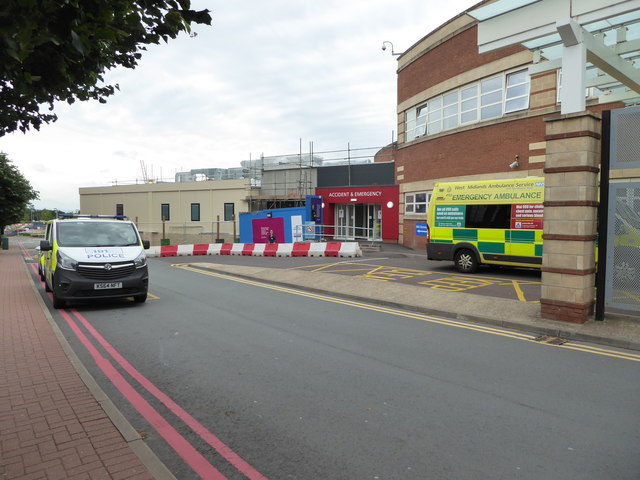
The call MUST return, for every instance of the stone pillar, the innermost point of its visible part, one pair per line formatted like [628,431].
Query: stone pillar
[570,217]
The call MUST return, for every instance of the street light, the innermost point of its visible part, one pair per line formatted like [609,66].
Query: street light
[384,47]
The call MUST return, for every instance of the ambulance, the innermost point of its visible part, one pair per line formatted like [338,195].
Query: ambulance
[495,222]
[93,257]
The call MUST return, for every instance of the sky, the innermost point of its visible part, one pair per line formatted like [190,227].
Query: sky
[263,79]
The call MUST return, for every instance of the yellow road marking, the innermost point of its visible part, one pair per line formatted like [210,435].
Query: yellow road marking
[418,316]
[519,291]
[450,282]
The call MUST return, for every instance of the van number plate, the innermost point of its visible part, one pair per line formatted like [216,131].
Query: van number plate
[107,286]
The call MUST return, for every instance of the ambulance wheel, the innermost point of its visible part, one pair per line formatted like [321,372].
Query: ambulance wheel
[465,261]
[140,298]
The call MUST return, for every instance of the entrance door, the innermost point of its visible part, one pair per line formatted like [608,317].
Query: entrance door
[360,221]
[344,221]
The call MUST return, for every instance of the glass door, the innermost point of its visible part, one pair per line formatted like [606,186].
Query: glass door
[344,221]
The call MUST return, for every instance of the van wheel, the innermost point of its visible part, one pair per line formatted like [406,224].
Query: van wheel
[140,298]
[465,261]
[57,302]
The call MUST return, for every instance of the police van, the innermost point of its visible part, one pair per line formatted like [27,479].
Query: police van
[495,222]
[93,257]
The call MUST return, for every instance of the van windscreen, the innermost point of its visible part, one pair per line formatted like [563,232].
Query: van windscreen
[96,234]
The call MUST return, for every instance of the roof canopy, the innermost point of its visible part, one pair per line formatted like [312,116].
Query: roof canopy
[595,42]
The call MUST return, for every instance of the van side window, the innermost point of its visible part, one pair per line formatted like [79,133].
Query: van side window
[488,216]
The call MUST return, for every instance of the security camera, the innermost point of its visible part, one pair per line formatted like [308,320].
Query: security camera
[514,164]
[384,47]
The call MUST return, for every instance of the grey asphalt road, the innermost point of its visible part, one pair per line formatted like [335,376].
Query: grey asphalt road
[395,263]
[307,388]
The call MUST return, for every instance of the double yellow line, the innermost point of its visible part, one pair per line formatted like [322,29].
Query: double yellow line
[414,315]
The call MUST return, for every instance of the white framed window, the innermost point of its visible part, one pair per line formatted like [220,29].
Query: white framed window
[517,91]
[590,92]
[487,99]
[434,117]
[469,104]
[416,203]
[491,98]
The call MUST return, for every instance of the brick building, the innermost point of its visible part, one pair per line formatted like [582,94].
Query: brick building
[465,115]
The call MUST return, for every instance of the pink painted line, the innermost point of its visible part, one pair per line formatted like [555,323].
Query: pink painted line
[183,448]
[226,452]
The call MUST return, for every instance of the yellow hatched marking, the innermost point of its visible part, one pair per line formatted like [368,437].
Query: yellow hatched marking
[451,283]
[418,316]
[519,291]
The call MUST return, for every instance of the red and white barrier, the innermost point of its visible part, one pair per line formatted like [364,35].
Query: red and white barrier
[300,249]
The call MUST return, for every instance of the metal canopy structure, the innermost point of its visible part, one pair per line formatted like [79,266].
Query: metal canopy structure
[596,43]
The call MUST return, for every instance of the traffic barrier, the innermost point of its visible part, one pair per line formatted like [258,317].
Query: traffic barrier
[333,249]
[285,249]
[298,249]
[258,249]
[270,250]
[169,251]
[201,249]
[237,249]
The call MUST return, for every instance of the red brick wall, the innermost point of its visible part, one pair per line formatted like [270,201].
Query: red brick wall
[481,150]
[410,238]
[453,57]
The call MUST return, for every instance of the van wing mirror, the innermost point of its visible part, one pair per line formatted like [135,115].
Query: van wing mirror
[45,246]
[146,244]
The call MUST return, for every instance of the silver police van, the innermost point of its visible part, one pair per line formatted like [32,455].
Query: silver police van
[93,257]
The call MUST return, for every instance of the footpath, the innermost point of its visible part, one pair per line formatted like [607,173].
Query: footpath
[56,423]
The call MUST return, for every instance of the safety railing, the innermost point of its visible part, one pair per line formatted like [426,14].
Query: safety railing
[312,232]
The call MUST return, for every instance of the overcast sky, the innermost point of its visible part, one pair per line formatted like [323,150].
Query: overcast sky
[263,77]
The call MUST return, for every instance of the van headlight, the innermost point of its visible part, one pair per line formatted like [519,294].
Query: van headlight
[65,261]
[140,261]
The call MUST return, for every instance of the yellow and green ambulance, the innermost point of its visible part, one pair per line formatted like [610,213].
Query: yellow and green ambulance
[495,222]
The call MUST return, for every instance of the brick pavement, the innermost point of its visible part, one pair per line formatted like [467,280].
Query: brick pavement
[51,424]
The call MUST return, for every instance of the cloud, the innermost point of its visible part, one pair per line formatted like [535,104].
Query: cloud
[265,77]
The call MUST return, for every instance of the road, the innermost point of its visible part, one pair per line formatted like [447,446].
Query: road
[255,382]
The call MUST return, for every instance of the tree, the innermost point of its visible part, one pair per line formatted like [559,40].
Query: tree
[59,50]
[15,193]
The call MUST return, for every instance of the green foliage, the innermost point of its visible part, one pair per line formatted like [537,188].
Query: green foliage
[15,193]
[40,215]
[59,50]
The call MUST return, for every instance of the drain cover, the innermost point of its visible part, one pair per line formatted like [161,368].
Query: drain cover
[550,340]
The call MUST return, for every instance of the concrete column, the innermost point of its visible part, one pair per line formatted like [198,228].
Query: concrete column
[570,217]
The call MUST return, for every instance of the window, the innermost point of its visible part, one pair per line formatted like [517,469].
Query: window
[416,203]
[488,216]
[469,104]
[228,212]
[434,117]
[491,98]
[517,94]
[487,99]
[164,212]
[195,212]
[120,209]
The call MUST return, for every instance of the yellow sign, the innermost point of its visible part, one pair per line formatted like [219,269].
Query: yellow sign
[516,191]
